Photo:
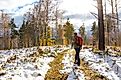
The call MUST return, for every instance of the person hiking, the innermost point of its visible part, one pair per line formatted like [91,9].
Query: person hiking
[77,44]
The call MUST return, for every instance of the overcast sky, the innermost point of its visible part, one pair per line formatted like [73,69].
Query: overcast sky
[77,10]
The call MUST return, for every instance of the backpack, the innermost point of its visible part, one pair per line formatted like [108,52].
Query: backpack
[79,41]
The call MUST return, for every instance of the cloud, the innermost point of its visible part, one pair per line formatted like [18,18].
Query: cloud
[79,16]
[78,11]
[78,6]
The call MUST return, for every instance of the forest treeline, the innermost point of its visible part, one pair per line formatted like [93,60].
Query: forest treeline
[43,25]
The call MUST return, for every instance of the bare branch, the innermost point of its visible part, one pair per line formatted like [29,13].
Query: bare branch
[96,16]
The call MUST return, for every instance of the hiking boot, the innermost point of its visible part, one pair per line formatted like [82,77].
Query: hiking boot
[75,62]
[78,64]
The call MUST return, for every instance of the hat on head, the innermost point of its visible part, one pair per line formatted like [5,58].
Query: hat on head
[75,33]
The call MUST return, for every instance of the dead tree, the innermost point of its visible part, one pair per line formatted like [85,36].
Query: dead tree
[101,44]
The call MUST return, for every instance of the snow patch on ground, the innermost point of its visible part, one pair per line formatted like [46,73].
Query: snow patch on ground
[69,67]
[98,64]
[26,70]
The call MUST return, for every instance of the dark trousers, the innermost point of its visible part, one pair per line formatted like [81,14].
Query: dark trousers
[77,58]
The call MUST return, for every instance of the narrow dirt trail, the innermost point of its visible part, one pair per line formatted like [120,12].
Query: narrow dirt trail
[56,65]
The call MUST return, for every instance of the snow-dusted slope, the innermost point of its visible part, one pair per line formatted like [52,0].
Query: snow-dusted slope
[24,67]
[95,62]
[98,64]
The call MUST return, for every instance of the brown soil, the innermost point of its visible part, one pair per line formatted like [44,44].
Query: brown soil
[56,65]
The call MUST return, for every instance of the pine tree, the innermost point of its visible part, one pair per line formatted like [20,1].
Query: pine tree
[49,35]
[83,32]
[69,30]
[21,35]
[94,31]
[14,32]
[60,35]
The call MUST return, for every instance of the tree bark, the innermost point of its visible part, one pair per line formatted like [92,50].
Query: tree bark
[101,45]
